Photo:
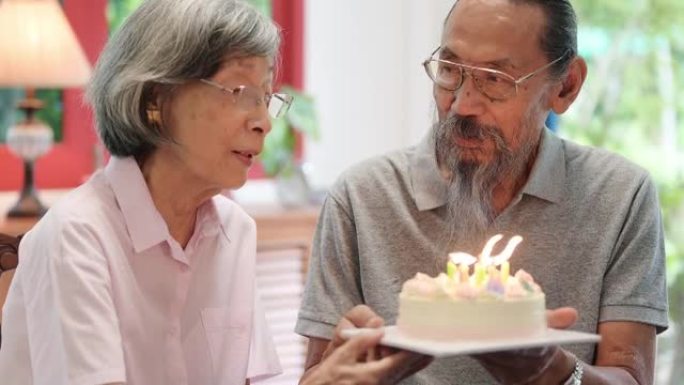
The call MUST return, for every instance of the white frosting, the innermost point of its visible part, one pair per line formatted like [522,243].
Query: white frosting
[482,318]
[445,308]
[520,285]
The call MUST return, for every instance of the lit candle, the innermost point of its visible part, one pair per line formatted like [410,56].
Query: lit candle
[483,266]
[480,274]
[451,270]
[487,250]
[492,272]
[463,260]
[502,259]
[505,271]
[465,272]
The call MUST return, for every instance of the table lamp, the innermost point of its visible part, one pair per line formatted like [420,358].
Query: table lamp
[38,49]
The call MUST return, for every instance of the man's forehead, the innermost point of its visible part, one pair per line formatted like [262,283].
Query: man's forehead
[497,59]
[494,31]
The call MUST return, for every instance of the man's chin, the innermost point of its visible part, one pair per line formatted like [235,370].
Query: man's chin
[468,158]
[468,143]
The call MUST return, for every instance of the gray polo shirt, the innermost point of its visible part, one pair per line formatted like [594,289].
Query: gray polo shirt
[590,219]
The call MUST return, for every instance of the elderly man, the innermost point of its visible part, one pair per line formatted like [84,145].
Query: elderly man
[591,220]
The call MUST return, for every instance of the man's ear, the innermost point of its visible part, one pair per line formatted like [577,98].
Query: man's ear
[570,86]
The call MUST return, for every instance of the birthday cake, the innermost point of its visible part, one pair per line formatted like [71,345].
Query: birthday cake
[489,304]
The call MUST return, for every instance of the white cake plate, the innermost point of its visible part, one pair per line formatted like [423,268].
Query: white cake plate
[393,338]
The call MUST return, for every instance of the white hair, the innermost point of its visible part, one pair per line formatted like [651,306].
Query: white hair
[168,42]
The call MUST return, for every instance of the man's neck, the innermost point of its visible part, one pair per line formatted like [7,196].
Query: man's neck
[505,192]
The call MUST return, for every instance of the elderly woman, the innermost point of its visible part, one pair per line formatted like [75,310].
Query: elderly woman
[145,274]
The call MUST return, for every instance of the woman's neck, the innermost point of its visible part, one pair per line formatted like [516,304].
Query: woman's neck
[176,193]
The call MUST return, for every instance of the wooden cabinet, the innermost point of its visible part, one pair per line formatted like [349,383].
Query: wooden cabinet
[283,247]
[15,227]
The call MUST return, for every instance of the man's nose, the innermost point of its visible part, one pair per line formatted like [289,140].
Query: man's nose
[467,99]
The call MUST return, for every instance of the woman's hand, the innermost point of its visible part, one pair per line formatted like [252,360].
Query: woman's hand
[360,360]
[526,365]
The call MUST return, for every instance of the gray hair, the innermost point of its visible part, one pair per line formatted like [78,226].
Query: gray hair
[168,42]
[559,37]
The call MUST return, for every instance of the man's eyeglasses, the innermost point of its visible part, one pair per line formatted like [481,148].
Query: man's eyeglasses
[496,85]
[249,98]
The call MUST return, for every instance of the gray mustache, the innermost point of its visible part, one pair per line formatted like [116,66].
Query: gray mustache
[469,128]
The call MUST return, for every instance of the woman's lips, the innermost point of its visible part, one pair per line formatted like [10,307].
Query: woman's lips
[247,158]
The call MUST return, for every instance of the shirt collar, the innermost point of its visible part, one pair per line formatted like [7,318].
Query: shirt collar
[429,189]
[209,221]
[145,224]
[547,178]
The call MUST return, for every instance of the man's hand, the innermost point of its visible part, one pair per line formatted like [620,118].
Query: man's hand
[527,365]
[360,360]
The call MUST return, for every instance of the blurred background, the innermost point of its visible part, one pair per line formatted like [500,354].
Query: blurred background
[355,66]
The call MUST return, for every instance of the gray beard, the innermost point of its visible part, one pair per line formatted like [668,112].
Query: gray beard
[470,207]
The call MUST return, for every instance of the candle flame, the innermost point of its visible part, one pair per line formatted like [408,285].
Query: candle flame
[487,250]
[461,258]
[508,251]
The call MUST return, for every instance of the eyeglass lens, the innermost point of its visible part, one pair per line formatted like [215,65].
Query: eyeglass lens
[249,98]
[451,76]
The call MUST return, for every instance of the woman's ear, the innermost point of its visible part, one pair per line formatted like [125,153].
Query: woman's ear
[153,102]
[570,86]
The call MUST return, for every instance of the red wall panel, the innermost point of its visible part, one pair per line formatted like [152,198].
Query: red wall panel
[70,162]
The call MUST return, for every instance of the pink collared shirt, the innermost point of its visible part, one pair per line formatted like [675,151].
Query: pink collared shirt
[104,294]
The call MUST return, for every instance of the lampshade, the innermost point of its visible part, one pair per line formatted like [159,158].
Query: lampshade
[38,48]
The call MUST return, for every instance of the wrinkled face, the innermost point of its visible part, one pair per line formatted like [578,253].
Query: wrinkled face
[500,35]
[218,139]
[480,141]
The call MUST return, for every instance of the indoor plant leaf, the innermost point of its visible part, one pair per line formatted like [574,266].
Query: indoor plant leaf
[278,147]
[302,114]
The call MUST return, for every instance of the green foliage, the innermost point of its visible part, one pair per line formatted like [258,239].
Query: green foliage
[8,110]
[651,16]
[118,11]
[279,147]
[634,50]
[51,113]
[262,5]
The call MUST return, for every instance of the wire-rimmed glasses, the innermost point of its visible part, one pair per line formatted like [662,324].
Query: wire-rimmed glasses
[249,98]
[494,84]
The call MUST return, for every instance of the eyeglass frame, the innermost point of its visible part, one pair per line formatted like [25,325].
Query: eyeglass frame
[464,67]
[287,99]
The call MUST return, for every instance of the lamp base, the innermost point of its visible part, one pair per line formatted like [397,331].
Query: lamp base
[28,206]
[29,139]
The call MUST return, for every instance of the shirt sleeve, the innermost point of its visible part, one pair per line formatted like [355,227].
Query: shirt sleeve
[333,284]
[263,359]
[72,323]
[634,286]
